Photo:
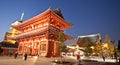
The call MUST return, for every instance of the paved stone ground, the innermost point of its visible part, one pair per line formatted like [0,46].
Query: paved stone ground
[6,60]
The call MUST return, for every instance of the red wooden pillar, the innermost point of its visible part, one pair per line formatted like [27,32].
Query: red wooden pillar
[47,44]
[32,49]
[55,48]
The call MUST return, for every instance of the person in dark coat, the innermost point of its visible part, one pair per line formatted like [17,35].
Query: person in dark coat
[103,56]
[16,54]
[115,56]
[25,56]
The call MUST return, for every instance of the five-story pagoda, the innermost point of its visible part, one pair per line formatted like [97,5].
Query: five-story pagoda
[39,35]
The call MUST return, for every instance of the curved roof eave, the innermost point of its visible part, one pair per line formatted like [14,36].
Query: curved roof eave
[41,15]
[69,25]
[29,20]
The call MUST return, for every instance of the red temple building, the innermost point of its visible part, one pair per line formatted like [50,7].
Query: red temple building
[39,35]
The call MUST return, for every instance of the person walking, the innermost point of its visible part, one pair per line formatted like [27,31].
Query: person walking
[115,56]
[78,58]
[25,56]
[16,54]
[103,56]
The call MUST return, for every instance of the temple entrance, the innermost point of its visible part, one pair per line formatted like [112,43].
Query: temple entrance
[42,48]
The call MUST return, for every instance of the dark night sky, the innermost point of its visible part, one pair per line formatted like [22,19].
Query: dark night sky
[88,16]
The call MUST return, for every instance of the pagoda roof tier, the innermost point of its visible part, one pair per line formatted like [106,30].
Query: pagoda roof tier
[4,44]
[49,13]
[31,33]
[35,32]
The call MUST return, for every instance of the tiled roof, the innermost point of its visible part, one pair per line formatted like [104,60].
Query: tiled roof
[58,12]
[9,45]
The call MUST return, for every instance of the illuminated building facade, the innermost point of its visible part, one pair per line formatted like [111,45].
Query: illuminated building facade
[9,45]
[39,35]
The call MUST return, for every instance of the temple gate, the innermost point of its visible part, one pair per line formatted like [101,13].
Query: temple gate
[39,35]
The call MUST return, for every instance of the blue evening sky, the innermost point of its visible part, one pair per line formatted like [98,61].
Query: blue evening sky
[88,16]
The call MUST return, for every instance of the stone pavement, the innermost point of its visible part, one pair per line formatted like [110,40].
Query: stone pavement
[6,60]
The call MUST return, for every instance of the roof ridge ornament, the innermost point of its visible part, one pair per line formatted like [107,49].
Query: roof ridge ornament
[58,9]
[58,12]
[22,16]
[49,7]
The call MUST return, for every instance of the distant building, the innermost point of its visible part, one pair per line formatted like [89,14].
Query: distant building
[13,32]
[79,45]
[9,45]
[92,39]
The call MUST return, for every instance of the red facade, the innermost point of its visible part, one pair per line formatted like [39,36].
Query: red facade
[39,35]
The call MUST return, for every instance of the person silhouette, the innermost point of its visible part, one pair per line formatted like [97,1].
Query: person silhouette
[78,58]
[16,54]
[103,56]
[25,56]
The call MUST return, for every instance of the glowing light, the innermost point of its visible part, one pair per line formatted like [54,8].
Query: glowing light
[105,45]
[92,47]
